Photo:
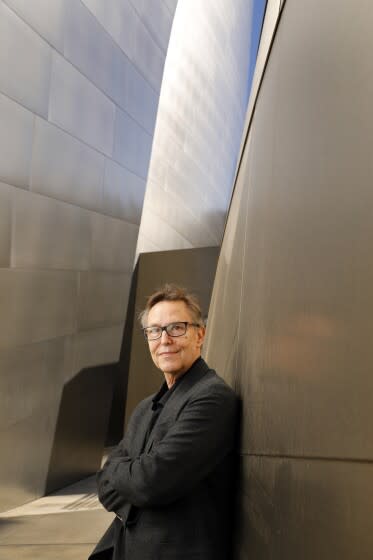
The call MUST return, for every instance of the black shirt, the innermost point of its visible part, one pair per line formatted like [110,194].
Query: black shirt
[158,402]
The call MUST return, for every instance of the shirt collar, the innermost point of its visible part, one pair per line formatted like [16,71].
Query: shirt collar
[164,392]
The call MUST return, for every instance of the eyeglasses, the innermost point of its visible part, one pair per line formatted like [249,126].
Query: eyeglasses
[172,329]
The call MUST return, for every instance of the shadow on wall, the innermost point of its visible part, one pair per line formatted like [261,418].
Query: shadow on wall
[81,426]
[94,403]
[120,378]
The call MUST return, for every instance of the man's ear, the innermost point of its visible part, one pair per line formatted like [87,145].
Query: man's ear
[201,336]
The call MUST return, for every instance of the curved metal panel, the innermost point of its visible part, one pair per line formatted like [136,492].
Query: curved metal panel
[199,123]
[298,334]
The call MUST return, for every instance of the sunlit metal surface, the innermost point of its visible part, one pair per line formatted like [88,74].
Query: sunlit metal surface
[79,88]
[199,123]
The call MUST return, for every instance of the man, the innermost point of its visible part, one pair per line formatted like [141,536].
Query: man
[170,479]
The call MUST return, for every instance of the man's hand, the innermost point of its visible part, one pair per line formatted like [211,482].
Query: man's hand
[107,495]
[198,441]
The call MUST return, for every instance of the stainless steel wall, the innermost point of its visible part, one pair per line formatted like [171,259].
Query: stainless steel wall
[79,88]
[199,124]
[290,323]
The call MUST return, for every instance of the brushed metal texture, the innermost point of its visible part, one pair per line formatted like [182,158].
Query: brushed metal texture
[102,299]
[65,168]
[16,135]
[46,17]
[49,233]
[123,193]
[113,243]
[294,508]
[302,353]
[36,305]
[199,125]
[68,110]
[28,80]
[5,223]
[132,144]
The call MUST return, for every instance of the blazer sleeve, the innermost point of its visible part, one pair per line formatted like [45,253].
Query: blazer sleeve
[201,437]
[108,496]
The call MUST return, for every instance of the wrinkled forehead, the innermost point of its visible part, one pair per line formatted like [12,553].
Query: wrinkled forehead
[165,312]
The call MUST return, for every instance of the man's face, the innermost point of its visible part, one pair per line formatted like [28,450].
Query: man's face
[174,355]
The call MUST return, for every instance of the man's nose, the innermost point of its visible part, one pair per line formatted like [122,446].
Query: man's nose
[166,336]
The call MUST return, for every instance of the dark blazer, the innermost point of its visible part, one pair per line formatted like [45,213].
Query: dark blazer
[174,495]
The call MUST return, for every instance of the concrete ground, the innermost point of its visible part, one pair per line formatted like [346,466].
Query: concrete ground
[63,526]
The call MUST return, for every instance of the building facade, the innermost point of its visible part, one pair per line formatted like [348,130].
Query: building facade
[80,83]
[79,89]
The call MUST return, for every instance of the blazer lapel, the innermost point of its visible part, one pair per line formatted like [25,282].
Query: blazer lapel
[172,406]
[138,441]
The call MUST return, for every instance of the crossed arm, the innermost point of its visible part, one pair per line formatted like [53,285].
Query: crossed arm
[196,443]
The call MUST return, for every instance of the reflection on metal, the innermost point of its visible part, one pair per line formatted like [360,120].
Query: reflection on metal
[79,89]
[272,12]
[291,316]
[199,124]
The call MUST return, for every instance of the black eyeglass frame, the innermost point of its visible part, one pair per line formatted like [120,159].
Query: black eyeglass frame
[185,323]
